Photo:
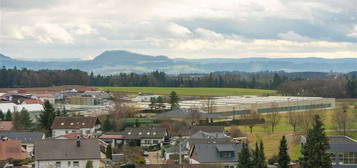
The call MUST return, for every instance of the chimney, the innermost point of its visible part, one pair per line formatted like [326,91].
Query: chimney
[78,141]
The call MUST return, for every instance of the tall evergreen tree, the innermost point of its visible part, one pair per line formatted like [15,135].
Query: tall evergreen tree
[2,116]
[261,155]
[107,125]
[8,116]
[108,152]
[244,157]
[46,117]
[174,100]
[314,152]
[283,157]
[25,119]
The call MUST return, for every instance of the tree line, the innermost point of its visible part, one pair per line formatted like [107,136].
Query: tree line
[338,86]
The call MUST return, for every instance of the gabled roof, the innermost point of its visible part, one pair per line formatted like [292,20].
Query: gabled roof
[342,144]
[72,135]
[74,122]
[6,125]
[208,135]
[209,153]
[32,101]
[137,133]
[64,149]
[24,137]
[11,149]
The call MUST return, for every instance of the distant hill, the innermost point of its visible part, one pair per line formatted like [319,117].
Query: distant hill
[116,61]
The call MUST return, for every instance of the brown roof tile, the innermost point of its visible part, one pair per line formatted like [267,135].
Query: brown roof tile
[74,122]
[11,149]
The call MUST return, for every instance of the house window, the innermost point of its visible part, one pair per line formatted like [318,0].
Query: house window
[348,158]
[69,163]
[58,164]
[75,163]
[155,141]
[66,132]
[87,132]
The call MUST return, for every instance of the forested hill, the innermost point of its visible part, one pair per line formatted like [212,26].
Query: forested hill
[302,84]
[111,62]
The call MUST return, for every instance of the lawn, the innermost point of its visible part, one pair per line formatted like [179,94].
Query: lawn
[192,91]
[271,140]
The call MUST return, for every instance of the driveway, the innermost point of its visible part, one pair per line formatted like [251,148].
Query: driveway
[154,158]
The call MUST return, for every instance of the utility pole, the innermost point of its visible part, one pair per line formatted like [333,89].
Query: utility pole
[180,153]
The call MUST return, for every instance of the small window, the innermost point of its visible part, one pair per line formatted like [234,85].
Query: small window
[83,123]
[140,133]
[148,133]
[58,164]
[129,133]
[87,132]
[71,123]
[154,133]
[75,163]
[66,132]
[62,123]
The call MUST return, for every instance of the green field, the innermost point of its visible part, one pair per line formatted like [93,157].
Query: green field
[191,91]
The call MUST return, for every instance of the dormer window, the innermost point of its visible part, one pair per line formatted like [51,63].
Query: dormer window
[83,123]
[71,123]
[129,133]
[154,133]
[140,133]
[62,123]
[148,133]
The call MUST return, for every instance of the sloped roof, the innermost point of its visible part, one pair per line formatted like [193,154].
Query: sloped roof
[11,149]
[74,122]
[64,149]
[208,153]
[6,125]
[32,101]
[342,144]
[24,137]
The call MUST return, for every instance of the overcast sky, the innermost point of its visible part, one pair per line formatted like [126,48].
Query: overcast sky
[179,28]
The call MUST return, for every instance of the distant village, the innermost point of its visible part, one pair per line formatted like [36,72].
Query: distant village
[89,128]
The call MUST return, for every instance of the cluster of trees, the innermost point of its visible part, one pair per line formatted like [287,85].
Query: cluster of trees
[314,151]
[5,117]
[338,86]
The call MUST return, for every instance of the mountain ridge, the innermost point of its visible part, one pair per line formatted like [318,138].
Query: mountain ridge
[115,61]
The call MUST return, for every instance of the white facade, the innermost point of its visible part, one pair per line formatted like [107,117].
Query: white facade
[67,163]
[84,131]
[151,142]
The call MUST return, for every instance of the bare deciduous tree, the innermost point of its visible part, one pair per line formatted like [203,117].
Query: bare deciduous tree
[273,117]
[235,132]
[209,106]
[341,119]
[194,116]
[293,119]
[251,119]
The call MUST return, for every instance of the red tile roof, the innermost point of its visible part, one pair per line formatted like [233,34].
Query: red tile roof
[104,136]
[73,135]
[32,101]
[6,125]
[11,149]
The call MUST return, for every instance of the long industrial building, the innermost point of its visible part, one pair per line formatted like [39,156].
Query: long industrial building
[235,105]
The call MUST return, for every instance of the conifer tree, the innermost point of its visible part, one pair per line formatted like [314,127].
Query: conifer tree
[314,152]
[2,116]
[244,157]
[25,119]
[8,116]
[261,155]
[174,100]
[108,152]
[46,117]
[283,157]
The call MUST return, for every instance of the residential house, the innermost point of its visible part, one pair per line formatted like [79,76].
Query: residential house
[63,153]
[139,136]
[89,126]
[11,149]
[27,139]
[344,151]
[45,97]
[225,155]
[6,125]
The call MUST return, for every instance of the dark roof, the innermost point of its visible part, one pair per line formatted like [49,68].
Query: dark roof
[208,153]
[64,149]
[74,122]
[342,144]
[208,135]
[24,137]
[141,132]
